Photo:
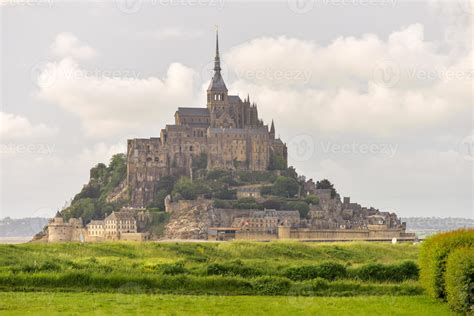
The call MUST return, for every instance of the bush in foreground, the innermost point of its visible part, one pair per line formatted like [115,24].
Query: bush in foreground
[407,270]
[433,255]
[459,280]
[326,270]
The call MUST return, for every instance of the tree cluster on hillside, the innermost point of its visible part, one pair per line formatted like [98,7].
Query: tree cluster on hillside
[281,189]
[91,202]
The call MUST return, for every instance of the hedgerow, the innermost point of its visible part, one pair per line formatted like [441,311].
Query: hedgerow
[459,279]
[434,254]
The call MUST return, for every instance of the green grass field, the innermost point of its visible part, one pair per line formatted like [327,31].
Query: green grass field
[213,278]
[142,304]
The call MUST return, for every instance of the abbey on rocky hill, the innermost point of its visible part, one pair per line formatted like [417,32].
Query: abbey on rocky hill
[227,134]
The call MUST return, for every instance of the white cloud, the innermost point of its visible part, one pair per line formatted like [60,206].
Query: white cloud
[18,127]
[100,152]
[172,33]
[364,84]
[68,45]
[110,105]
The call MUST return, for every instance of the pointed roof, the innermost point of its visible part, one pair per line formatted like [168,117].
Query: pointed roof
[272,129]
[217,82]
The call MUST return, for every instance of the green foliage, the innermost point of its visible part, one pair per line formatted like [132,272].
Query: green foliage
[326,270]
[266,190]
[275,203]
[232,268]
[163,187]
[200,163]
[312,199]
[190,190]
[225,194]
[222,204]
[326,184]
[172,268]
[459,279]
[407,270]
[247,177]
[247,203]
[277,162]
[285,187]
[300,206]
[84,208]
[434,254]
[91,203]
[271,285]
[290,172]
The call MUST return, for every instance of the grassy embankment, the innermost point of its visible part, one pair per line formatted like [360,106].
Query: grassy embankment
[236,268]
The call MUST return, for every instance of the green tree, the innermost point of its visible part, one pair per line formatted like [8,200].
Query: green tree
[300,206]
[326,184]
[247,203]
[311,199]
[277,162]
[200,162]
[285,186]
[274,203]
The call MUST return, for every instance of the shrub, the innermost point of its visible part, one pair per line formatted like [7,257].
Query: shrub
[326,270]
[232,269]
[271,285]
[433,255]
[459,280]
[407,270]
[172,268]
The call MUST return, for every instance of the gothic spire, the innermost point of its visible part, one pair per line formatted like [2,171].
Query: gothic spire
[217,82]
[272,128]
[217,59]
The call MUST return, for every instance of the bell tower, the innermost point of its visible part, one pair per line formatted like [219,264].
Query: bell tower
[217,91]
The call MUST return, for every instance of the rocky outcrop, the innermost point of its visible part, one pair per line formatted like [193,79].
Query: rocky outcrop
[190,220]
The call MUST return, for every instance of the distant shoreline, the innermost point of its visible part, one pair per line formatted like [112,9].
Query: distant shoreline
[14,240]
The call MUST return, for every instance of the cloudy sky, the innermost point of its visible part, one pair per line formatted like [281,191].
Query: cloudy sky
[376,95]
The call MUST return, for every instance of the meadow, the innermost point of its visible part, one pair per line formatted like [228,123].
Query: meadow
[172,276]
